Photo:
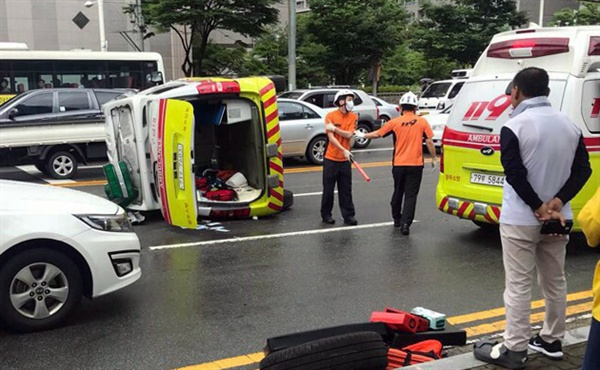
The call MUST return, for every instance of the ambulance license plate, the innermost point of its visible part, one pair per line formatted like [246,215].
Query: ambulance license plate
[482,178]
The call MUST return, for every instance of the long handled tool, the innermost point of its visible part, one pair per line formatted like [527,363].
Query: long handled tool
[362,172]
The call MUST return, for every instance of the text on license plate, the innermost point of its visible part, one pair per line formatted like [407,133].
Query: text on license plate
[481,178]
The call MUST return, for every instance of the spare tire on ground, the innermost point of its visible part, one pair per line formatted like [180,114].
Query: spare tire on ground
[356,351]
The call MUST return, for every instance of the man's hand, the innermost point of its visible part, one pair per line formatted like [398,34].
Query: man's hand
[330,127]
[359,134]
[433,164]
[542,213]
[348,155]
[555,205]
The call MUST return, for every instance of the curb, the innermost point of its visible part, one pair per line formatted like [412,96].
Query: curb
[468,361]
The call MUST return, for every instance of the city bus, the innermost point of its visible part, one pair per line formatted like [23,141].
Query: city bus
[23,70]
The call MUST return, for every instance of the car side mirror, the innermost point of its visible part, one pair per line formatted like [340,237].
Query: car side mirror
[155,77]
[13,113]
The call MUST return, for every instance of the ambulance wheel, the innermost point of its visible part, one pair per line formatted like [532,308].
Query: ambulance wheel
[315,153]
[485,226]
[288,200]
[356,351]
[362,143]
[38,289]
[61,165]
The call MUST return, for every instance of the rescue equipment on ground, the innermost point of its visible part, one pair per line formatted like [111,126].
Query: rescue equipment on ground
[119,187]
[418,353]
[437,321]
[422,322]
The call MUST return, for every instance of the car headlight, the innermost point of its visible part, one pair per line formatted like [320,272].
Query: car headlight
[114,223]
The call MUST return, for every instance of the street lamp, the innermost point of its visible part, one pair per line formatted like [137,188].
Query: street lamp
[89,4]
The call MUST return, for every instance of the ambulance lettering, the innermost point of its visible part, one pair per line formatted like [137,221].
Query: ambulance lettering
[496,107]
[596,108]
[484,139]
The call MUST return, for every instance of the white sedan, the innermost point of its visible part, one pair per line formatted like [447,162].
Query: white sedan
[437,122]
[302,129]
[57,245]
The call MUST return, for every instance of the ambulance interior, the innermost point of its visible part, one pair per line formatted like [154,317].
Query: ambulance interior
[228,141]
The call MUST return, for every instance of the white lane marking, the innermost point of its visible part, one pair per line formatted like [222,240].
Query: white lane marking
[30,169]
[272,236]
[310,194]
[372,150]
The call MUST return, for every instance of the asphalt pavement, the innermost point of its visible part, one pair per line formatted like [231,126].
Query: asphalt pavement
[211,297]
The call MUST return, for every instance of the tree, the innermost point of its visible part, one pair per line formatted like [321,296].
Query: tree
[588,14]
[222,61]
[353,34]
[461,31]
[199,18]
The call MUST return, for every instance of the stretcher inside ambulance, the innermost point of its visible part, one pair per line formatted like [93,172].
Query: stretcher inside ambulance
[471,175]
[197,148]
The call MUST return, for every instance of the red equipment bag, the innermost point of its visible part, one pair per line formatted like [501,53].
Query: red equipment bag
[425,351]
[221,195]
[422,323]
[396,321]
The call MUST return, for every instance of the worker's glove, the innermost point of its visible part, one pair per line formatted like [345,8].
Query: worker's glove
[359,134]
[348,155]
[433,164]
[330,127]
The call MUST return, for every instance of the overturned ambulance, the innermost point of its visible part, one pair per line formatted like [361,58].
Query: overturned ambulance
[197,147]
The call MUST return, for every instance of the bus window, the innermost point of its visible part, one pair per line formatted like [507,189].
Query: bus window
[124,74]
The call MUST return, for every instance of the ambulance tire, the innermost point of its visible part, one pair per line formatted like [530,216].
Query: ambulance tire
[356,351]
[362,143]
[485,226]
[288,200]
[61,165]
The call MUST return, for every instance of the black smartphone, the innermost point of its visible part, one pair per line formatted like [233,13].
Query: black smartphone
[555,227]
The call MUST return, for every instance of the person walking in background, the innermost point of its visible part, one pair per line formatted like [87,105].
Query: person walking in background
[340,125]
[546,164]
[589,219]
[408,130]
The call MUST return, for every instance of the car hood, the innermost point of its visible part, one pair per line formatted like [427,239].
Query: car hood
[23,197]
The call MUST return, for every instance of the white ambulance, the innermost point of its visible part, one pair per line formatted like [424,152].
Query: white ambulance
[471,175]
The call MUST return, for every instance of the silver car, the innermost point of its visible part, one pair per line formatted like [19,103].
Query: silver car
[387,111]
[302,130]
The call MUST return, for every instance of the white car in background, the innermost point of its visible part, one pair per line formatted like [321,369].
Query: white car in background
[437,122]
[387,111]
[57,245]
[302,130]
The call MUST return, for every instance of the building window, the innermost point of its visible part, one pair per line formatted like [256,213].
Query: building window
[302,5]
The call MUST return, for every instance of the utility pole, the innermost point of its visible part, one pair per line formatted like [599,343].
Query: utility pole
[541,13]
[292,46]
[140,23]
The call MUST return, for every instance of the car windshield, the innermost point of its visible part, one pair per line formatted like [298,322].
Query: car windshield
[436,90]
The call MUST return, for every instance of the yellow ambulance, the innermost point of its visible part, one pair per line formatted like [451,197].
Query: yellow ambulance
[471,175]
[168,145]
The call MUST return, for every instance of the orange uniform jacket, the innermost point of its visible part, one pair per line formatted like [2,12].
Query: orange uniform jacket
[409,130]
[346,122]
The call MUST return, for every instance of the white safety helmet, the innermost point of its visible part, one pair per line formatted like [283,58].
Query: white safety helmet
[342,94]
[409,99]
[238,180]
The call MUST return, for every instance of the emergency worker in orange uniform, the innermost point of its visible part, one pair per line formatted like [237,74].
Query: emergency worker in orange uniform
[340,125]
[408,131]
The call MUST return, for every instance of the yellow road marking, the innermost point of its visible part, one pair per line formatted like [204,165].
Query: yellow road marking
[500,311]
[477,330]
[80,183]
[534,318]
[285,171]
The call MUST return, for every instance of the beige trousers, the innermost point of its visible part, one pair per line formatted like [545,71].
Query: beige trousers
[523,250]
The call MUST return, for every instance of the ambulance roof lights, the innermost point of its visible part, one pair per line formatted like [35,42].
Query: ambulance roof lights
[217,87]
[594,45]
[528,48]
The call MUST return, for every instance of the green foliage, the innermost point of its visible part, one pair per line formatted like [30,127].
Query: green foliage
[222,61]
[588,14]
[461,31]
[192,19]
[356,34]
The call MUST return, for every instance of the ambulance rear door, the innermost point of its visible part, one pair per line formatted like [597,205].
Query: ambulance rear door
[172,159]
